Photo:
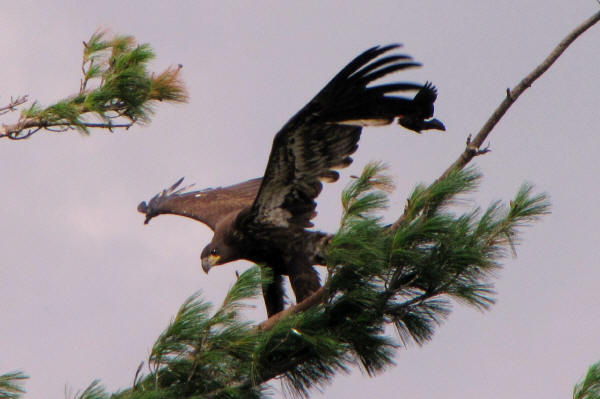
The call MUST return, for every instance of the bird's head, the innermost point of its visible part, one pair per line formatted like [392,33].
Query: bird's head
[214,254]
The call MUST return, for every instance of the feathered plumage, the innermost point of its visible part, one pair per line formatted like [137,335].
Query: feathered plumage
[263,220]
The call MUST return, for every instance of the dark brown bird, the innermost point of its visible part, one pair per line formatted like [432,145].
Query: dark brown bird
[264,220]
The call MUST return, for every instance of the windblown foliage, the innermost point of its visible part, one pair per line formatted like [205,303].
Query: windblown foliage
[589,387]
[116,89]
[407,278]
[10,385]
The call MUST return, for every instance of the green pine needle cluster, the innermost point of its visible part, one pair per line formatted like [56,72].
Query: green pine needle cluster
[409,276]
[93,391]
[589,387]
[11,385]
[199,353]
[405,277]
[378,276]
[116,88]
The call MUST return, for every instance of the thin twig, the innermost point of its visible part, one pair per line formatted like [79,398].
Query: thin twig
[13,104]
[60,129]
[14,131]
[19,136]
[84,80]
[108,126]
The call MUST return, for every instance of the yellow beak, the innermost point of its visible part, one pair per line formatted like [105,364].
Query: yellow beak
[209,262]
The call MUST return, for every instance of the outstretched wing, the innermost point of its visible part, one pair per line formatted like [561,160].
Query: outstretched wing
[207,206]
[320,137]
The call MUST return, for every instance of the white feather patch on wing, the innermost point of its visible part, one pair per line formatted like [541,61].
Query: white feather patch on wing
[366,122]
[281,215]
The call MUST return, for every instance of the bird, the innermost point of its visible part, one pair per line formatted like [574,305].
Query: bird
[266,220]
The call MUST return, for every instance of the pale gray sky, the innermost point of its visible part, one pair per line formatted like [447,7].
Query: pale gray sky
[85,287]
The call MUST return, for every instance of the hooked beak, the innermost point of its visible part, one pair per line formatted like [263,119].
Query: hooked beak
[209,262]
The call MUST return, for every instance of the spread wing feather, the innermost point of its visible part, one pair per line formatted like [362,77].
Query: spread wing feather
[207,206]
[322,136]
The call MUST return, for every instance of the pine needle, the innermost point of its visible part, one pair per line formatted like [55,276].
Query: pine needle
[589,388]
[11,385]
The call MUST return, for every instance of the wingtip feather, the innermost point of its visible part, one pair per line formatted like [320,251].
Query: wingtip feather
[176,184]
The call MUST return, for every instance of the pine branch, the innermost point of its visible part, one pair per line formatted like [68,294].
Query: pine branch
[589,388]
[377,278]
[11,385]
[124,93]
[411,295]
[406,276]
[203,353]
[94,391]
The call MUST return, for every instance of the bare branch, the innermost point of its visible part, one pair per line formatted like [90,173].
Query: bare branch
[473,147]
[20,136]
[513,94]
[15,131]
[109,126]
[13,104]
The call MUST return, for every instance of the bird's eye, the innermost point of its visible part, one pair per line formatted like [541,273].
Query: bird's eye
[213,251]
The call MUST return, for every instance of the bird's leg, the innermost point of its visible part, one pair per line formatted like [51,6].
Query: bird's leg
[304,279]
[273,293]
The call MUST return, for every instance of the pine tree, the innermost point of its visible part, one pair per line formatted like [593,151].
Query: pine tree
[377,277]
[405,275]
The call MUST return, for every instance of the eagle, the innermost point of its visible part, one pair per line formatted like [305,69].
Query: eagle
[266,220]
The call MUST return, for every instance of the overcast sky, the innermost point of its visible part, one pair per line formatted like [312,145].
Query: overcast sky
[85,287]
